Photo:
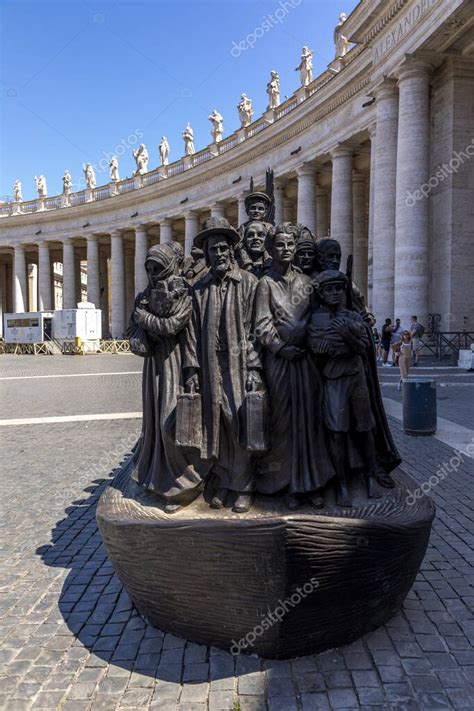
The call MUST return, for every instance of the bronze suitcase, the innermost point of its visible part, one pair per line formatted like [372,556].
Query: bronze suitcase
[189,420]
[256,421]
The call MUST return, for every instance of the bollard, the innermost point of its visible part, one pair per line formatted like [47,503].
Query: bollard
[419,406]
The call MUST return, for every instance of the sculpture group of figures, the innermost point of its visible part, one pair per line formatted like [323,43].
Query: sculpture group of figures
[260,370]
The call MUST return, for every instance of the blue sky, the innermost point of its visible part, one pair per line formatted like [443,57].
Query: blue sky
[82,79]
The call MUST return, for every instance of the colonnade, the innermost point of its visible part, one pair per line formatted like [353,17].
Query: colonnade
[358,193]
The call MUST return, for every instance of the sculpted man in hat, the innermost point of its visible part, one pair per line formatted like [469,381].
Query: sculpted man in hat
[256,206]
[340,339]
[298,461]
[156,331]
[220,360]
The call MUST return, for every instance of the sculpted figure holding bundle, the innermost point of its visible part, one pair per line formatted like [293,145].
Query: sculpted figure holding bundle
[156,331]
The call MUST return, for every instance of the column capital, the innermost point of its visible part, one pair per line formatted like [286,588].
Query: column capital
[67,241]
[91,237]
[141,228]
[387,88]
[190,214]
[372,131]
[414,67]
[164,221]
[342,151]
[306,170]
[118,232]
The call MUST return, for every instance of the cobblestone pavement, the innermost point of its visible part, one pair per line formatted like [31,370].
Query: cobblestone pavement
[70,639]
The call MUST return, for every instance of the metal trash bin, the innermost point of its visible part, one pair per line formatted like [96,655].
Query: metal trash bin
[419,406]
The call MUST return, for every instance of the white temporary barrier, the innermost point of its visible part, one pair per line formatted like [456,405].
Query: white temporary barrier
[31,327]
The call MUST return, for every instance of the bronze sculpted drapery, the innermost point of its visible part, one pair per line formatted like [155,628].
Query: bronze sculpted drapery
[249,319]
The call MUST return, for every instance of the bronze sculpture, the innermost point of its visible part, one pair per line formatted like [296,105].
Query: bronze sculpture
[260,392]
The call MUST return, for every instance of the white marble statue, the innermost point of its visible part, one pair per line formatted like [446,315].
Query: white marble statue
[273,91]
[217,130]
[141,159]
[67,183]
[245,109]
[305,67]
[340,40]
[41,187]
[114,169]
[89,175]
[188,135]
[164,151]
[17,191]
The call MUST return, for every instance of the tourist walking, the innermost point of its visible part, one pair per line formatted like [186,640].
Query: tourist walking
[405,355]
[378,344]
[416,332]
[397,331]
[386,339]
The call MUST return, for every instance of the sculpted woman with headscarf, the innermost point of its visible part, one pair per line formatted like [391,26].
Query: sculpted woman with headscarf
[156,330]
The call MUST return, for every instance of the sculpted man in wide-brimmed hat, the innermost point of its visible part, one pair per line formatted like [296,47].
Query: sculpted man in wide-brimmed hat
[221,362]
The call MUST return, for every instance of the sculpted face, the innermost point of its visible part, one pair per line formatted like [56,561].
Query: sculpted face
[257,210]
[153,269]
[284,248]
[305,259]
[330,257]
[219,254]
[333,294]
[255,239]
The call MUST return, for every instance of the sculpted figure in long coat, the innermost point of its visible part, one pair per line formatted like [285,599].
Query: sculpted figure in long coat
[298,460]
[221,361]
[156,331]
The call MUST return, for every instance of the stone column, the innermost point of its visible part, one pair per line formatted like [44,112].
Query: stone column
[359,229]
[3,293]
[218,210]
[287,209]
[341,200]
[118,285]
[20,283]
[279,201]
[129,266]
[322,212]
[32,286]
[166,230]
[383,266]
[78,281]
[44,277]
[191,228]
[93,280]
[69,275]
[141,249]
[241,211]
[306,206]
[372,134]
[412,209]
[104,292]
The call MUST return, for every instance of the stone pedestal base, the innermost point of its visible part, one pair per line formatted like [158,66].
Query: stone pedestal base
[269,582]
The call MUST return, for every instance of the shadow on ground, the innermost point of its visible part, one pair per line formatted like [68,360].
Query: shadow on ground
[100,613]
